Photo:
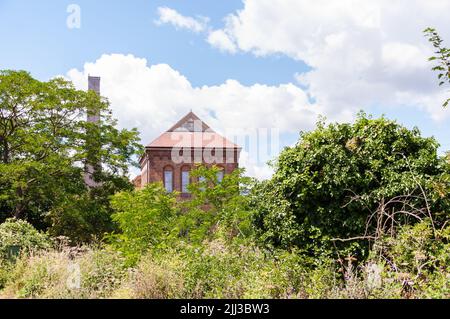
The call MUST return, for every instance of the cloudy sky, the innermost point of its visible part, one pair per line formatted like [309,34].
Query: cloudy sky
[239,64]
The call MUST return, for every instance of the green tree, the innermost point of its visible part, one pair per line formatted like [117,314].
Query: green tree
[144,218]
[153,220]
[329,184]
[441,57]
[217,207]
[45,143]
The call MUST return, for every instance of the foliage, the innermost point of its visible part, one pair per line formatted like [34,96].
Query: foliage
[86,217]
[412,264]
[419,258]
[144,218]
[21,235]
[45,142]
[336,176]
[293,236]
[216,208]
[157,279]
[102,271]
[442,58]
[151,218]
[5,272]
[67,273]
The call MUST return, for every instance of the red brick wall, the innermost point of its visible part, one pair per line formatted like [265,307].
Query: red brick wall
[156,160]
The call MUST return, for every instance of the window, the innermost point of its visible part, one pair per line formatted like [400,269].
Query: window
[184,181]
[188,125]
[220,176]
[168,180]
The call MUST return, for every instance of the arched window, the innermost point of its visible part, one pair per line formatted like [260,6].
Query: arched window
[185,180]
[168,179]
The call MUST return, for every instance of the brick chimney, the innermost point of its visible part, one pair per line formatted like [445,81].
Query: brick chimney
[93,85]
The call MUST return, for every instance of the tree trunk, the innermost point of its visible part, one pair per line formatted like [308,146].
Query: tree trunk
[20,207]
[5,155]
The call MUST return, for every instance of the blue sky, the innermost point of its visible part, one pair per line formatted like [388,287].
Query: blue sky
[290,55]
[39,41]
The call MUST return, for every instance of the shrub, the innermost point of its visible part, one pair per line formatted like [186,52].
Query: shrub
[40,275]
[417,259]
[102,271]
[144,219]
[336,176]
[151,219]
[5,272]
[217,209]
[69,273]
[22,236]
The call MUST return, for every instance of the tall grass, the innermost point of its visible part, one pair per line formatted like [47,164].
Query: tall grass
[414,264]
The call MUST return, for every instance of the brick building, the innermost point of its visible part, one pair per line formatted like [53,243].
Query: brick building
[190,142]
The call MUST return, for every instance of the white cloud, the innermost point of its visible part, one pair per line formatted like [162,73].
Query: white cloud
[153,97]
[259,171]
[171,16]
[217,38]
[361,52]
[220,40]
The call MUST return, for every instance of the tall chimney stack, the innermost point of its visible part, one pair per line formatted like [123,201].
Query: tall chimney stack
[93,85]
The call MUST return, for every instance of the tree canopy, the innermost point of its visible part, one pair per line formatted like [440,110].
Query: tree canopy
[45,143]
[335,177]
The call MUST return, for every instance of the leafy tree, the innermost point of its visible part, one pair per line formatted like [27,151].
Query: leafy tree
[441,57]
[335,177]
[45,143]
[144,218]
[216,208]
[152,219]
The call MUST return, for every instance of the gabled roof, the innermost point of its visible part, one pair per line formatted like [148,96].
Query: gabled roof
[182,125]
[191,131]
[192,139]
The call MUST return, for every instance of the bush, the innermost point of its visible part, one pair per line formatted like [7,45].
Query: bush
[5,272]
[217,209]
[85,218]
[40,275]
[336,176]
[417,258]
[151,219]
[19,236]
[68,273]
[102,271]
[144,218]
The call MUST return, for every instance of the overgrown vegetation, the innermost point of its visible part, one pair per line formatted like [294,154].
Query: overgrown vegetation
[328,186]
[413,264]
[355,210]
[215,244]
[45,143]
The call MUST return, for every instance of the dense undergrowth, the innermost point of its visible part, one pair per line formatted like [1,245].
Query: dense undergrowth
[414,264]
[353,211]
